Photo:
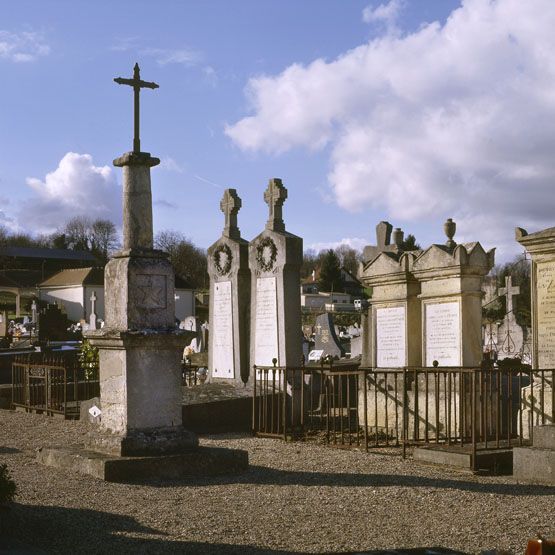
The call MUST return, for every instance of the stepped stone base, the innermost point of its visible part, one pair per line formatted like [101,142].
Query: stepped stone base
[203,461]
[536,464]
[494,461]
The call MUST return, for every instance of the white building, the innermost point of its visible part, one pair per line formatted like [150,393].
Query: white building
[72,290]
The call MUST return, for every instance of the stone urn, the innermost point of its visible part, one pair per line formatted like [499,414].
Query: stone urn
[450,227]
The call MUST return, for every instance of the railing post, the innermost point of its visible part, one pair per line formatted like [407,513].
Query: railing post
[473,421]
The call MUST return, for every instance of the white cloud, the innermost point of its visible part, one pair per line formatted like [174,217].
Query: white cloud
[22,47]
[75,188]
[164,56]
[450,120]
[356,243]
[384,13]
[169,164]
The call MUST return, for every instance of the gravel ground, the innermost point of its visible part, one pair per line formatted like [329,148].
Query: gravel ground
[295,498]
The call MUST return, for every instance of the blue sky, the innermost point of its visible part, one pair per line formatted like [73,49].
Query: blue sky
[408,110]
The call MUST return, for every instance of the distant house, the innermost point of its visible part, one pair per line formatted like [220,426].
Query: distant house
[313,298]
[73,288]
[19,283]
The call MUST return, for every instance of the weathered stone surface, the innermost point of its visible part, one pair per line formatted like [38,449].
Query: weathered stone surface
[139,292]
[85,415]
[203,461]
[325,338]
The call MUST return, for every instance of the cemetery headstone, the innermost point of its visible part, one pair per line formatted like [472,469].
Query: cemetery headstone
[326,339]
[391,326]
[541,246]
[275,258]
[450,278]
[230,289]
[509,335]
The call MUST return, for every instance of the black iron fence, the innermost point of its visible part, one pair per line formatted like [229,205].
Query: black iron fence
[52,384]
[378,407]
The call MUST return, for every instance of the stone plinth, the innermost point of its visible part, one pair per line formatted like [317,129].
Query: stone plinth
[536,464]
[230,289]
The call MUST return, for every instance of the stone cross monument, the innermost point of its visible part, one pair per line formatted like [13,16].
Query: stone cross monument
[139,347]
[92,317]
[230,285]
[275,258]
[509,292]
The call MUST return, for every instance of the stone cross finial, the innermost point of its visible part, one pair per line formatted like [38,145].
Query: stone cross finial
[34,312]
[509,292]
[92,317]
[137,85]
[275,196]
[230,206]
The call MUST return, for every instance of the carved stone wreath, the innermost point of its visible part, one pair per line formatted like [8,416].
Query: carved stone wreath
[222,259]
[266,254]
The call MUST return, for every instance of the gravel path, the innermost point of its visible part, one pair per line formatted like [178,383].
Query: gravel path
[295,498]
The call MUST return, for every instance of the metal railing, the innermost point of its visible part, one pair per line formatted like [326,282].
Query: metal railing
[473,408]
[52,384]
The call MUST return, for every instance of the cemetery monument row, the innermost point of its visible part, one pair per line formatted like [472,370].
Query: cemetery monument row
[140,350]
[230,289]
[426,304]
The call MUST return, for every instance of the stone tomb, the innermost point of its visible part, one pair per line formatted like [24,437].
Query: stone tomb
[230,284]
[540,409]
[275,258]
[141,434]
[425,307]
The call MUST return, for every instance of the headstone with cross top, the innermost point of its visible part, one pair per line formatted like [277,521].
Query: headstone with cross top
[275,196]
[92,317]
[230,206]
[509,292]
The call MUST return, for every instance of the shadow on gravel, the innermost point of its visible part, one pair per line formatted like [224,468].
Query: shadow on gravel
[261,475]
[46,530]
[39,530]
[9,450]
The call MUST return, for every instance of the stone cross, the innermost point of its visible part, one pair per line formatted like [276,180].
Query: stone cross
[137,85]
[509,292]
[230,206]
[34,312]
[92,317]
[274,197]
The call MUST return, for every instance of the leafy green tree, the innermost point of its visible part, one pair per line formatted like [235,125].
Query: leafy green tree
[330,272]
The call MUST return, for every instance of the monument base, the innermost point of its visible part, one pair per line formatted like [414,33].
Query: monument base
[203,461]
[138,443]
[536,464]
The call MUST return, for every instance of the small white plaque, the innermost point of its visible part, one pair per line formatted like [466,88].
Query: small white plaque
[443,334]
[223,361]
[94,411]
[266,345]
[315,355]
[391,337]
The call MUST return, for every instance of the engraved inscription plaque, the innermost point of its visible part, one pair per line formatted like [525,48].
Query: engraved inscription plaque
[266,322]
[223,361]
[151,290]
[443,334]
[390,337]
[545,287]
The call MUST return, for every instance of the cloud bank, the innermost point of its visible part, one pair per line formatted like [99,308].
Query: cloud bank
[22,47]
[450,120]
[75,188]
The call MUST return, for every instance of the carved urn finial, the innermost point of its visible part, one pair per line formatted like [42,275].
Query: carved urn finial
[450,227]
